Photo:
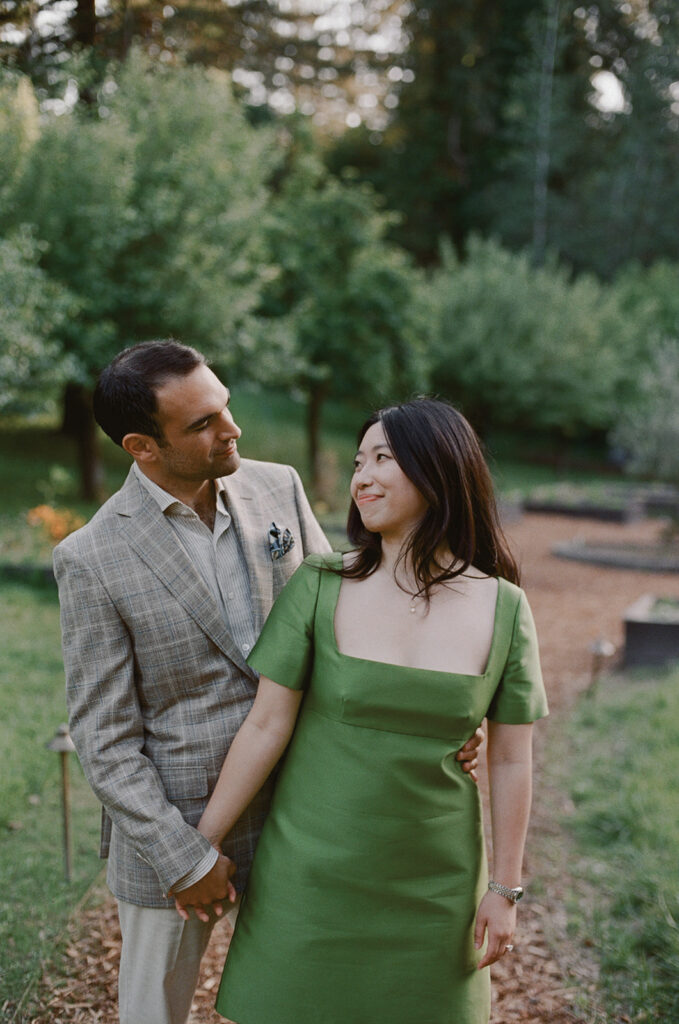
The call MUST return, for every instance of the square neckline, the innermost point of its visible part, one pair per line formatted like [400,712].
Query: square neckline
[411,668]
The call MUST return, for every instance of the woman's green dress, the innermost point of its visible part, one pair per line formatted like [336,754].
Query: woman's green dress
[361,900]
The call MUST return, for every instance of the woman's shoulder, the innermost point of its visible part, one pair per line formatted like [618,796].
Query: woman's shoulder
[510,588]
[512,596]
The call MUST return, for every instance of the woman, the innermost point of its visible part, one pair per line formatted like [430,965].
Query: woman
[368,901]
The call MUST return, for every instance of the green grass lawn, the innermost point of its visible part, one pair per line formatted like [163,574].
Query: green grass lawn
[35,899]
[624,774]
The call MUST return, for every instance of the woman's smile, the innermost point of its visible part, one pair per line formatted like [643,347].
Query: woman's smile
[401,504]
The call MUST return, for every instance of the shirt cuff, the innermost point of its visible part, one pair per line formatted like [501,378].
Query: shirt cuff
[200,871]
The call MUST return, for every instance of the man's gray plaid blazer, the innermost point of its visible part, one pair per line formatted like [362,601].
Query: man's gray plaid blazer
[156,687]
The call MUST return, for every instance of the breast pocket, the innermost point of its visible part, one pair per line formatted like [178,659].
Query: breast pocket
[283,568]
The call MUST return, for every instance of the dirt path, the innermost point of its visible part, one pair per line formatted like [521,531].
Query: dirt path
[574,605]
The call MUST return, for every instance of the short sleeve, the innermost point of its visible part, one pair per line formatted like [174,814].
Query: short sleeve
[285,647]
[520,696]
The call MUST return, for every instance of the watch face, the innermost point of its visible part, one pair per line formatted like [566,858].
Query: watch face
[511,894]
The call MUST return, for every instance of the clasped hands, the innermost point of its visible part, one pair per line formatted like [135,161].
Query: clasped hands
[210,891]
[216,886]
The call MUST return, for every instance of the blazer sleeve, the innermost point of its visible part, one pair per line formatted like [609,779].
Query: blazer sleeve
[107,727]
[313,539]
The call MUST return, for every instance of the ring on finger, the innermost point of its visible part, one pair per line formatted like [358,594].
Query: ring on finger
[509,947]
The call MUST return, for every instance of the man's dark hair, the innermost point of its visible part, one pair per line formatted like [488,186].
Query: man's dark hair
[125,395]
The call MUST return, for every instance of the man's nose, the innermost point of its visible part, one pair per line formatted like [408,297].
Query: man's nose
[228,427]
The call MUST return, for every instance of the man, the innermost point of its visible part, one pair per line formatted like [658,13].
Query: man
[163,595]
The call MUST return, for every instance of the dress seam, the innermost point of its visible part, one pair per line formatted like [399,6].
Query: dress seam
[392,732]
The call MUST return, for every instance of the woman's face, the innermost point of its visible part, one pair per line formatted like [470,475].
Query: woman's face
[387,501]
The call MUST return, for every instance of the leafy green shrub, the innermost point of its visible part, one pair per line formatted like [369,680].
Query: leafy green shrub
[519,345]
[648,427]
[650,296]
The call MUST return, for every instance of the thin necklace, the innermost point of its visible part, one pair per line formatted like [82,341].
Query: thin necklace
[414,598]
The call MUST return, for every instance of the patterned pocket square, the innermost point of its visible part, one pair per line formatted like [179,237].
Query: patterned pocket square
[280,541]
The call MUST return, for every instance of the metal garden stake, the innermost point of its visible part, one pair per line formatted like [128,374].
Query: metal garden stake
[62,744]
[601,651]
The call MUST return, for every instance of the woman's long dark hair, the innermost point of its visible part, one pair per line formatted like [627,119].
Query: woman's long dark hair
[439,452]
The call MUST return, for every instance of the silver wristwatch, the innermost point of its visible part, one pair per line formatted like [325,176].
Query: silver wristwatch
[513,895]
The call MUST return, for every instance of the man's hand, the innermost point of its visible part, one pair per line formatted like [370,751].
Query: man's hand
[468,755]
[208,891]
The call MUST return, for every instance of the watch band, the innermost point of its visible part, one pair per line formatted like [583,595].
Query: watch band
[513,895]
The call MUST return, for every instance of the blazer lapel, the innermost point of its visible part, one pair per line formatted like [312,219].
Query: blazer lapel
[149,534]
[252,531]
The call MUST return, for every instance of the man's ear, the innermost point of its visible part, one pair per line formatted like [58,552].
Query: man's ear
[141,447]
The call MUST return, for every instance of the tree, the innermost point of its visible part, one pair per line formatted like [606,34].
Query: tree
[32,305]
[543,118]
[629,194]
[19,130]
[32,368]
[609,165]
[286,54]
[444,140]
[147,206]
[500,126]
[343,299]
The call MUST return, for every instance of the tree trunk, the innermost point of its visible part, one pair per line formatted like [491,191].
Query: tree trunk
[84,28]
[316,397]
[127,34]
[543,133]
[84,23]
[79,423]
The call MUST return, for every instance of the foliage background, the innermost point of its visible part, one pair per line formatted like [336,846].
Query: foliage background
[345,200]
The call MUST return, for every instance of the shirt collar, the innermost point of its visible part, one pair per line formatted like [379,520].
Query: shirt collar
[220,493]
[167,501]
[162,498]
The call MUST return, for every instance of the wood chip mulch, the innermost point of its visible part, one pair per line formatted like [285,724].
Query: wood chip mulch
[574,605]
